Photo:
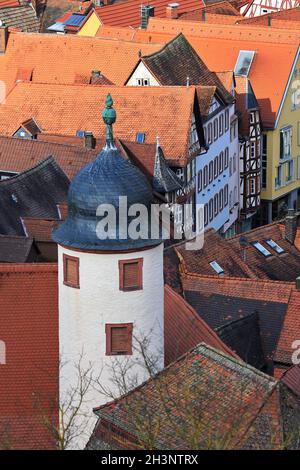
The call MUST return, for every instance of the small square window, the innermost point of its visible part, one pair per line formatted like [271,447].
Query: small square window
[118,339]
[71,271]
[131,274]
[140,138]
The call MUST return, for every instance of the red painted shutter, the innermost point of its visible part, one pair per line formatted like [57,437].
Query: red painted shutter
[131,275]
[119,339]
[72,271]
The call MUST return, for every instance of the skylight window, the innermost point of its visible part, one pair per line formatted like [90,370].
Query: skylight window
[262,249]
[216,267]
[140,138]
[275,246]
[243,63]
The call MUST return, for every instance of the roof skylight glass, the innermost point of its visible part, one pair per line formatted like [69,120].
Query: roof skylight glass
[262,249]
[243,63]
[275,246]
[216,267]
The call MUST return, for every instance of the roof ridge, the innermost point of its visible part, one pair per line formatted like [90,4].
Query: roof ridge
[234,279]
[33,169]
[276,222]
[27,267]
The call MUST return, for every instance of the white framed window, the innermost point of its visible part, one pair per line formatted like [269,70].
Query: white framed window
[286,142]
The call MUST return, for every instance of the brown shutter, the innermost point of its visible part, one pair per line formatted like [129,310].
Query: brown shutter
[71,271]
[131,274]
[118,338]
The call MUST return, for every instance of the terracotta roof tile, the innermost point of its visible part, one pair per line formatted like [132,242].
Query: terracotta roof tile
[22,17]
[292,379]
[66,109]
[58,58]
[290,329]
[40,229]
[120,15]
[227,395]
[184,329]
[29,312]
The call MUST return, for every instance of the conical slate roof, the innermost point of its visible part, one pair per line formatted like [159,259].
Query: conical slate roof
[96,189]
[164,179]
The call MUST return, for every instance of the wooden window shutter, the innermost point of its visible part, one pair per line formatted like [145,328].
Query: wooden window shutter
[131,274]
[71,271]
[118,338]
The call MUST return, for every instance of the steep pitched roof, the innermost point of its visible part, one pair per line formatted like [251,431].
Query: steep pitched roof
[58,58]
[168,70]
[29,312]
[14,249]
[227,398]
[292,379]
[220,309]
[22,17]
[215,248]
[219,47]
[184,329]
[164,179]
[245,101]
[280,267]
[222,300]
[40,229]
[66,109]
[117,15]
[33,193]
[290,330]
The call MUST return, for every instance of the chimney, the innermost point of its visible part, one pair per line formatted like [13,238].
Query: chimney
[291,226]
[95,75]
[203,16]
[3,38]
[88,140]
[298,283]
[172,11]
[146,12]
[269,20]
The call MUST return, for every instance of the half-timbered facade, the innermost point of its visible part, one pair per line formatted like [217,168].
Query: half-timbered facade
[262,7]
[249,152]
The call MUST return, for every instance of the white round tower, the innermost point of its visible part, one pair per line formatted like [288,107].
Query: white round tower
[111,290]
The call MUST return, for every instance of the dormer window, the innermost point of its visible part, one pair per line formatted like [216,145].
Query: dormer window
[131,274]
[71,271]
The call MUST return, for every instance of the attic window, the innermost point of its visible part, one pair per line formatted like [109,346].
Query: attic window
[243,63]
[275,246]
[131,274]
[262,249]
[140,137]
[216,267]
[118,339]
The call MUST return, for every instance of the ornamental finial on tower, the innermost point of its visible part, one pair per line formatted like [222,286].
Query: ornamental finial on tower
[109,116]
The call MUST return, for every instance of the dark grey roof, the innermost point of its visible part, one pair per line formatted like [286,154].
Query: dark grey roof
[244,337]
[164,179]
[33,193]
[220,310]
[102,182]
[23,17]
[176,61]
[251,98]
[14,249]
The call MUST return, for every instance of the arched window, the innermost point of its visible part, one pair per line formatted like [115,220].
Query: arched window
[2,353]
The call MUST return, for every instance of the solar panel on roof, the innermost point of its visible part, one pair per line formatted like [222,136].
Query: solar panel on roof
[74,20]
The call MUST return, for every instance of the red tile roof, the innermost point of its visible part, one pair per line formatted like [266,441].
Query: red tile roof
[290,330]
[292,379]
[129,13]
[232,402]
[64,110]
[29,328]
[184,329]
[219,46]
[57,58]
[9,3]
[40,229]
